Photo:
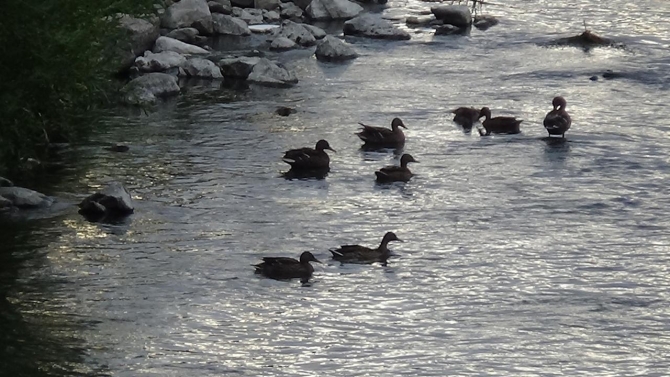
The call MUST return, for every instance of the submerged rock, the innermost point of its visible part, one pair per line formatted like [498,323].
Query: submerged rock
[451,30]
[24,198]
[199,67]
[457,15]
[285,111]
[485,22]
[238,68]
[282,43]
[228,25]
[112,201]
[139,36]
[333,9]
[159,62]
[266,72]
[334,49]
[148,88]
[170,44]
[371,26]
[587,40]
[188,13]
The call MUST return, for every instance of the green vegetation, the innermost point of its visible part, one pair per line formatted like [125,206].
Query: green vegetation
[57,62]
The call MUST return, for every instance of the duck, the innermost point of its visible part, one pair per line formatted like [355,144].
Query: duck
[498,125]
[309,158]
[466,117]
[557,121]
[380,136]
[281,268]
[395,173]
[362,254]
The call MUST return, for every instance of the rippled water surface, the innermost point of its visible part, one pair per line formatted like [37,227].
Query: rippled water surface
[522,257]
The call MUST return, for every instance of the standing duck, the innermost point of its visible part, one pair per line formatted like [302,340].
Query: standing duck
[362,254]
[498,125]
[557,121]
[395,173]
[308,158]
[287,268]
[466,117]
[380,136]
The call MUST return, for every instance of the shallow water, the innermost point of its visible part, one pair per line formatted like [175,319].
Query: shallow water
[522,257]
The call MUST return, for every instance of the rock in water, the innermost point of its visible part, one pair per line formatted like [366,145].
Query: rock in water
[282,43]
[372,26]
[316,31]
[188,13]
[229,25]
[457,15]
[186,35]
[333,9]
[24,198]
[334,49]
[160,62]
[170,44]
[113,201]
[139,36]
[203,68]
[266,72]
[296,32]
[146,89]
[238,68]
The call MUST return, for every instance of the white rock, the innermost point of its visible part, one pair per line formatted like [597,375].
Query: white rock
[457,15]
[269,73]
[229,25]
[160,62]
[199,67]
[334,49]
[282,43]
[333,9]
[372,26]
[263,28]
[171,44]
[146,89]
[188,13]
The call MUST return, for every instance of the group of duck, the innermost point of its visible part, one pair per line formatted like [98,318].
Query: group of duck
[315,161]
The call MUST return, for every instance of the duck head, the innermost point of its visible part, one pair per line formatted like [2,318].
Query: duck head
[322,144]
[406,159]
[485,112]
[397,122]
[307,257]
[559,103]
[390,236]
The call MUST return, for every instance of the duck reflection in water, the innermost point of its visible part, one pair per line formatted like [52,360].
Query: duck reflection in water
[318,174]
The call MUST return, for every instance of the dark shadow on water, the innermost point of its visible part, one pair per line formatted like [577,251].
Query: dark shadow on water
[317,174]
[556,149]
[396,150]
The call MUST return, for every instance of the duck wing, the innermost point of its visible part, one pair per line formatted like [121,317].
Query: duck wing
[306,158]
[371,134]
[356,253]
[299,154]
[502,125]
[557,120]
[283,261]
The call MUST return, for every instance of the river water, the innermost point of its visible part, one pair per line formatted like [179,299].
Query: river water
[521,257]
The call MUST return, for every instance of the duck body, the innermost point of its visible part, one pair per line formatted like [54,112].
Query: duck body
[281,268]
[309,158]
[557,122]
[395,173]
[383,137]
[362,254]
[466,117]
[499,125]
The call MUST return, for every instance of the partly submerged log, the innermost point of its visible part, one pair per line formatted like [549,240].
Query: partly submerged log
[587,40]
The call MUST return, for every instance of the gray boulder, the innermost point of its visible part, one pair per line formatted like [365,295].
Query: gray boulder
[171,44]
[4,182]
[457,15]
[25,198]
[148,88]
[298,33]
[332,9]
[250,16]
[371,26]
[223,7]
[266,72]
[317,32]
[188,13]
[266,4]
[229,25]
[138,36]
[238,68]
[114,200]
[282,43]
[160,62]
[271,16]
[290,10]
[199,67]
[334,49]
[186,35]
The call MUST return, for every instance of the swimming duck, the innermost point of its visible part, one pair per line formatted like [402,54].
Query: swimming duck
[287,268]
[395,173]
[380,136]
[557,121]
[362,254]
[498,125]
[466,116]
[308,158]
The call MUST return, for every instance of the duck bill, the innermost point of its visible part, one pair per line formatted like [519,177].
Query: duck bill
[317,261]
[399,240]
[331,149]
